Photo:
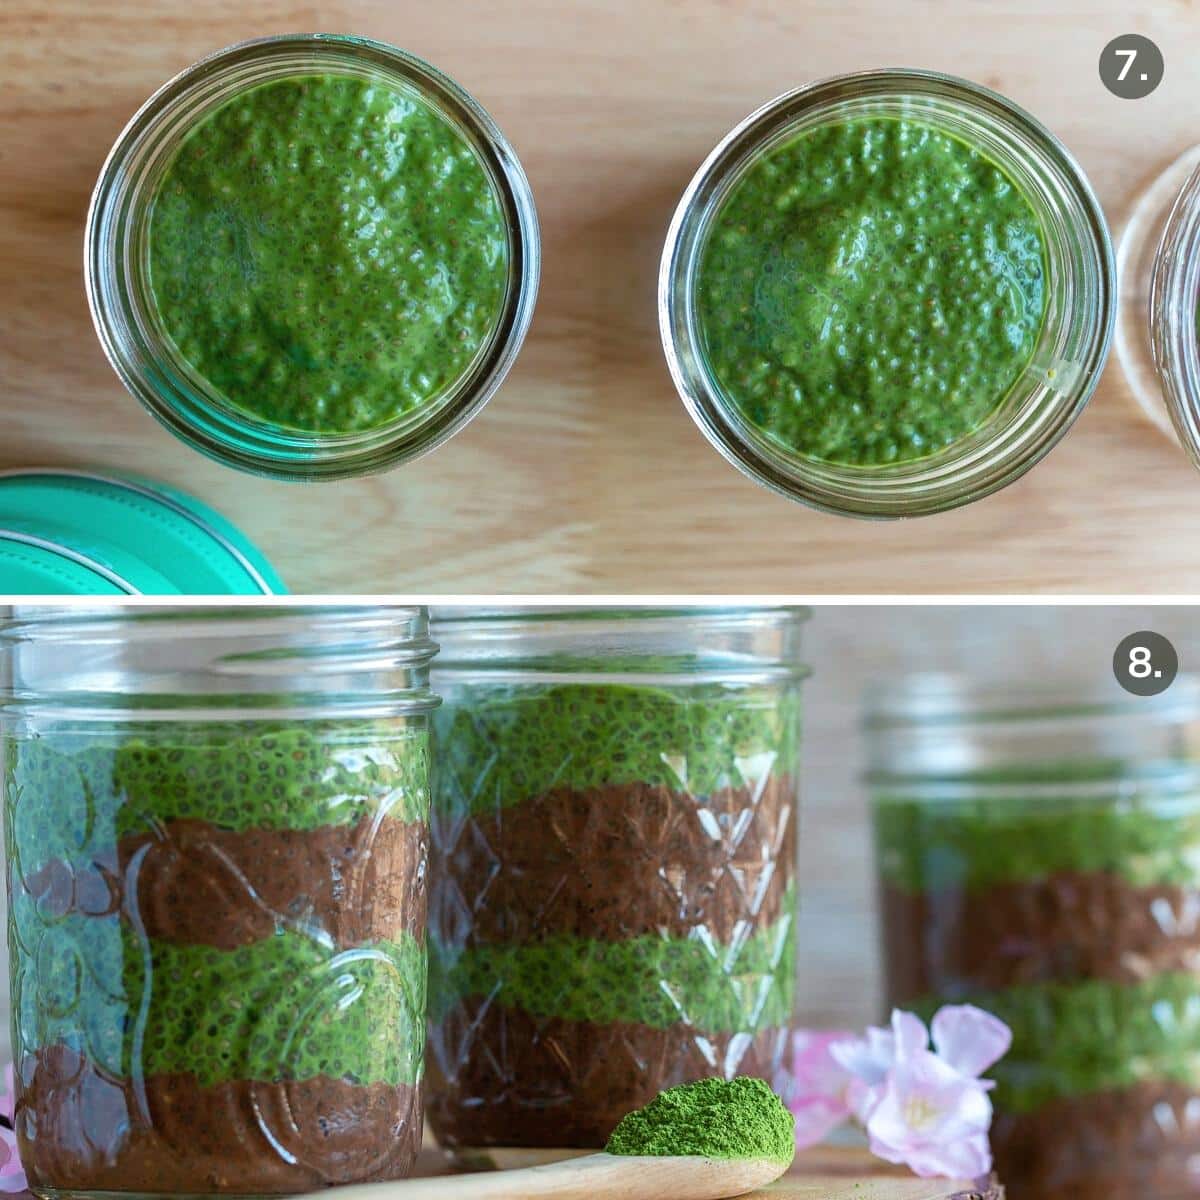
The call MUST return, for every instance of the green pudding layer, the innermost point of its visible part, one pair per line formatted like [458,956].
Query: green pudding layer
[285,1008]
[1092,1036]
[70,794]
[870,291]
[329,253]
[646,980]
[1146,836]
[499,746]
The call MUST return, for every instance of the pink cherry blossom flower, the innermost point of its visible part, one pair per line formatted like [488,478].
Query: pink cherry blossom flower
[933,1119]
[12,1174]
[819,1087]
[926,1108]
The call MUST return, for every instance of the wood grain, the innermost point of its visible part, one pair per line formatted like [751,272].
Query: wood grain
[587,1177]
[822,1173]
[584,474]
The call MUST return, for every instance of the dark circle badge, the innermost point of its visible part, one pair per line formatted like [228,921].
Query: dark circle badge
[1131,66]
[1145,663]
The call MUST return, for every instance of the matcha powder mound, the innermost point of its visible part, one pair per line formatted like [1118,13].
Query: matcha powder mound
[713,1118]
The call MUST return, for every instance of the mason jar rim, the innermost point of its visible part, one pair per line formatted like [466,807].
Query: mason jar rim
[945,736]
[153,663]
[925,699]
[218,429]
[916,487]
[1174,302]
[581,644]
[1161,781]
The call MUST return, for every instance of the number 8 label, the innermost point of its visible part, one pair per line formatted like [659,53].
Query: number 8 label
[1139,662]
[1145,663]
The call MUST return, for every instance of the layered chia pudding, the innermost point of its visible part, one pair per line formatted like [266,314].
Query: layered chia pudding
[612,902]
[1061,893]
[217,949]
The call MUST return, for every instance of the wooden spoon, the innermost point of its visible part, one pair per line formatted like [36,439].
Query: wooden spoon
[592,1177]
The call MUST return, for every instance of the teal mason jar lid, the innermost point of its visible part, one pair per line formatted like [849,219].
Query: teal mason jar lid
[76,532]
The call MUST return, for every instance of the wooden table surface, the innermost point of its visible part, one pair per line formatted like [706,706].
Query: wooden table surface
[584,474]
[826,1173]
[821,1173]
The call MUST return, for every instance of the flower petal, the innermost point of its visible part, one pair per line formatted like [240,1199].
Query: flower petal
[969,1039]
[911,1036]
[818,1086]
[869,1058]
[12,1174]
[968,1159]
[814,1069]
[816,1118]
[863,1098]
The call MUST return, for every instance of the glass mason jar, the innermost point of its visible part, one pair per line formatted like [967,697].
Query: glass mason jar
[1039,856]
[1159,267]
[132,330]
[216,824]
[1070,350]
[612,896]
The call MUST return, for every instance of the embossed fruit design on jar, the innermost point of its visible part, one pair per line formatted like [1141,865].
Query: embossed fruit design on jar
[612,897]
[216,828]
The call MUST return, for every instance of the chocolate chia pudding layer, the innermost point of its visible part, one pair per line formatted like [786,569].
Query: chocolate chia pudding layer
[218,952]
[1071,925]
[166,1134]
[1131,1144]
[616,862]
[198,884]
[553,1082]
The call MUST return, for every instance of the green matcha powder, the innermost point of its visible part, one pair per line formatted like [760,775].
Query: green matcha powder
[712,1118]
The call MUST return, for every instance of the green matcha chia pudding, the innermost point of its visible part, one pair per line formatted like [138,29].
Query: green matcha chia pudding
[887,294]
[312,257]
[1041,858]
[612,898]
[216,925]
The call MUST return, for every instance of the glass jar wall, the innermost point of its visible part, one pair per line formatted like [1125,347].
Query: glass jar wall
[1039,856]
[1157,330]
[612,897]
[216,827]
